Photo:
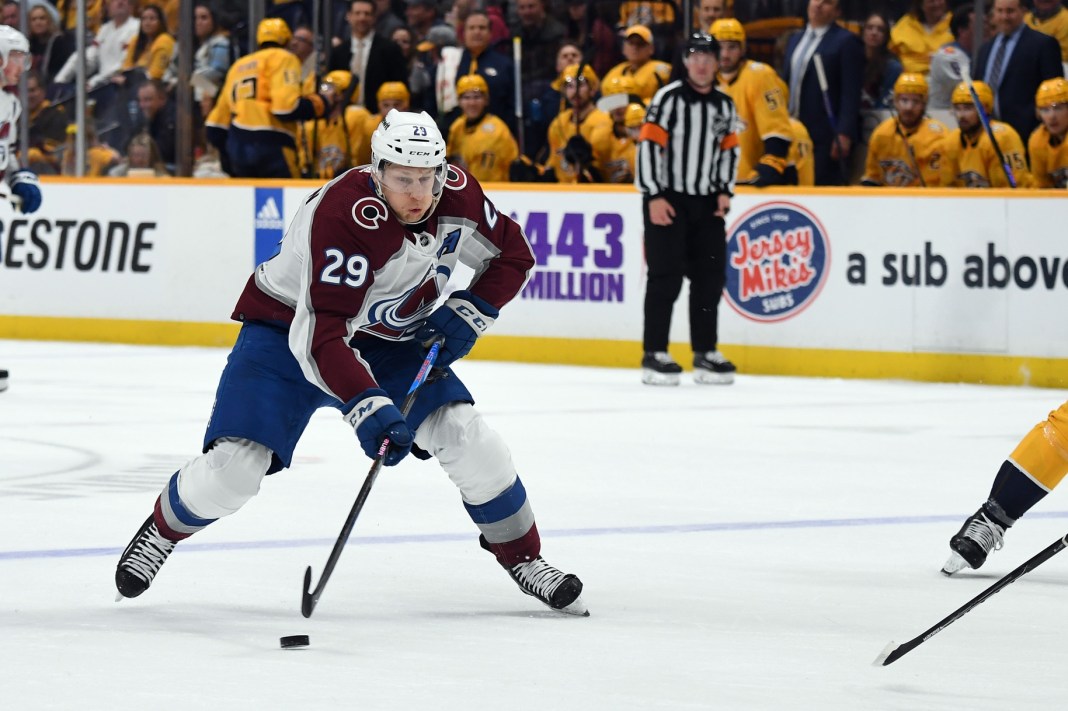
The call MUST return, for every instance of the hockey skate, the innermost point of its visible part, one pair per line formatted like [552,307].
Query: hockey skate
[3,380]
[980,534]
[659,368]
[560,591]
[141,560]
[712,368]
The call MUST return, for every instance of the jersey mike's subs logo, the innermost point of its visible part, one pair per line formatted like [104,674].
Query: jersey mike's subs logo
[778,257]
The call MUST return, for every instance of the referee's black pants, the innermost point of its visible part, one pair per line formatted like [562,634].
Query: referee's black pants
[692,246]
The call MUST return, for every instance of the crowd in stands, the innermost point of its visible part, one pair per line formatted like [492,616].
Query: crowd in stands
[891,106]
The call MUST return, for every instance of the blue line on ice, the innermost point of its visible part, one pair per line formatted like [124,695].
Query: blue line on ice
[557,533]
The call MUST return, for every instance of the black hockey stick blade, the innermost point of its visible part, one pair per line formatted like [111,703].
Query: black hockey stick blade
[891,654]
[310,598]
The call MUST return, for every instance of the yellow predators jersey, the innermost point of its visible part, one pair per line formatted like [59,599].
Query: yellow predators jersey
[619,164]
[1056,27]
[485,149]
[975,164]
[914,43]
[260,88]
[646,12]
[648,78]
[1049,159]
[800,155]
[331,146]
[596,128]
[893,162]
[760,98]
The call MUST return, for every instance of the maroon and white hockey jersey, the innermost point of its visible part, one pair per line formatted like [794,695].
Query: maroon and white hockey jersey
[348,268]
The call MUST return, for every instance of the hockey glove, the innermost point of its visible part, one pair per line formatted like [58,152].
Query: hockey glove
[374,417]
[770,171]
[578,151]
[24,183]
[461,320]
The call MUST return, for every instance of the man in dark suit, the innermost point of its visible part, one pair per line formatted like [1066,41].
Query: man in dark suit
[1014,63]
[371,58]
[843,61]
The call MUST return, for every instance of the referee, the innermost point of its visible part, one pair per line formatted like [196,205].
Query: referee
[686,167]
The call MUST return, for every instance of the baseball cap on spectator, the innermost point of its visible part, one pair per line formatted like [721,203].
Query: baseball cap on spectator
[641,31]
[439,36]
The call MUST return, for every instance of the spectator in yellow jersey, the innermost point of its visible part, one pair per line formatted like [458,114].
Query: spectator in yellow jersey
[919,33]
[970,159]
[1047,145]
[906,150]
[648,74]
[622,148]
[48,127]
[1050,17]
[800,170]
[330,145]
[479,141]
[99,157]
[580,136]
[153,48]
[390,95]
[759,96]
[254,121]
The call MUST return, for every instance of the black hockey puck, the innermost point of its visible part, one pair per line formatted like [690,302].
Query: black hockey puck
[297,640]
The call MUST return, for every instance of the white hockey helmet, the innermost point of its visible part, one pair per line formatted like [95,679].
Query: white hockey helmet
[11,40]
[413,140]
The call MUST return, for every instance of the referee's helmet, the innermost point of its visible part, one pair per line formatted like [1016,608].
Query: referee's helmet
[702,42]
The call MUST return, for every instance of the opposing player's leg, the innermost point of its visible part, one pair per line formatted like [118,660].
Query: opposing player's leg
[262,406]
[1035,468]
[477,460]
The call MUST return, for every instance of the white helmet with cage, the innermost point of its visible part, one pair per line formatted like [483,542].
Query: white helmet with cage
[412,140]
[11,40]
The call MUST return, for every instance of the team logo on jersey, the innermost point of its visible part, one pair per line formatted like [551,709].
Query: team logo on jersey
[778,258]
[455,179]
[369,213]
[269,222]
[395,317]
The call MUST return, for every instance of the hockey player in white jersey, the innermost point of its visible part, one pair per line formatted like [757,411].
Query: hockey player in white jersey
[14,60]
[25,189]
[339,318]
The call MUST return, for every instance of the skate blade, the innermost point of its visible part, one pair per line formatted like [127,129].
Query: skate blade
[705,377]
[954,565]
[577,608]
[118,596]
[651,377]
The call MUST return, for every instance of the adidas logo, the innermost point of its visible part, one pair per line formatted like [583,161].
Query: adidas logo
[269,217]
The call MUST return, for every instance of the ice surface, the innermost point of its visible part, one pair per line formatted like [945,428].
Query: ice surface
[743,547]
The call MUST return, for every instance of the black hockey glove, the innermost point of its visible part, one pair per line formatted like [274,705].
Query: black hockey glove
[578,151]
[374,417]
[461,319]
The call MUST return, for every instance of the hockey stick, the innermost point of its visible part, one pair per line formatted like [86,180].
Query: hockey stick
[892,653]
[821,76]
[310,598]
[985,120]
[909,151]
[517,60]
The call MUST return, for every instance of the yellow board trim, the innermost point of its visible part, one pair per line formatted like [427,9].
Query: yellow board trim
[754,360]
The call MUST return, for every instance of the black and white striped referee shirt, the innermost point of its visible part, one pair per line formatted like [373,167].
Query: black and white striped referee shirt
[688,143]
